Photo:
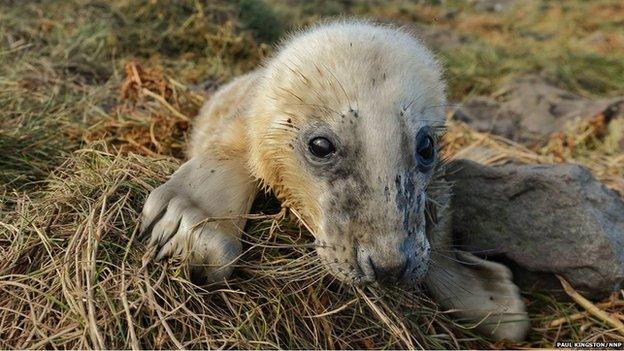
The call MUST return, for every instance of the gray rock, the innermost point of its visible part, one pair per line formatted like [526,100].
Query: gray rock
[528,109]
[487,115]
[541,220]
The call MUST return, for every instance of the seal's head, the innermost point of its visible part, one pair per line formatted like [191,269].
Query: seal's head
[344,133]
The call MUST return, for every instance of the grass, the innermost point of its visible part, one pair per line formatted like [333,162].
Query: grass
[81,150]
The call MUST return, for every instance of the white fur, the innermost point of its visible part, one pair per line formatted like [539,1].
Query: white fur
[195,194]
[481,292]
[239,144]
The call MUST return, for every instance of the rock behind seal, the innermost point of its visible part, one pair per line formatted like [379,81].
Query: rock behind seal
[541,220]
[528,109]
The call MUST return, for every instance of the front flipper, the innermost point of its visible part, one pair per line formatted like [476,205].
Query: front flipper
[480,292]
[198,212]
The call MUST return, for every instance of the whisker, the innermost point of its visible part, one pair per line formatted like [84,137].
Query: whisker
[344,91]
[441,285]
[317,106]
[454,259]
[468,248]
[291,93]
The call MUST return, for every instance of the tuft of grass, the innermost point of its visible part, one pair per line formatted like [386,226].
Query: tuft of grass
[77,279]
[262,20]
[96,99]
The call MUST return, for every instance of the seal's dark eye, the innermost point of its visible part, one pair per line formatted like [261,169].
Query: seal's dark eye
[321,147]
[425,149]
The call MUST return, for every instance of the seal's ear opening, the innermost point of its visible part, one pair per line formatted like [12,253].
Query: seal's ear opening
[479,291]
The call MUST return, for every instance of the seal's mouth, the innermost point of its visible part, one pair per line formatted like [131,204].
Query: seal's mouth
[363,263]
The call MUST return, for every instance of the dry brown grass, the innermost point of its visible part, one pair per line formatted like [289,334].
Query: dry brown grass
[94,112]
[75,278]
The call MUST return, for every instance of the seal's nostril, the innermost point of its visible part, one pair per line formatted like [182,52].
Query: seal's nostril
[383,269]
[390,273]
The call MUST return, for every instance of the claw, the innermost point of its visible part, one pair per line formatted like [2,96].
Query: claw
[164,251]
[173,210]
[147,229]
[167,237]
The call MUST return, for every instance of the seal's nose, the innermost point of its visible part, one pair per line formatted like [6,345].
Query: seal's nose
[387,274]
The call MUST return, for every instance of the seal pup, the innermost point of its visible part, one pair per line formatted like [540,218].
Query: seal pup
[342,125]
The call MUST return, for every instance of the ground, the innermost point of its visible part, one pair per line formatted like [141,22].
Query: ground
[96,98]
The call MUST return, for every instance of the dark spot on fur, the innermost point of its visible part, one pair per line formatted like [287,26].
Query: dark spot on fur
[289,120]
[406,199]
[212,171]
